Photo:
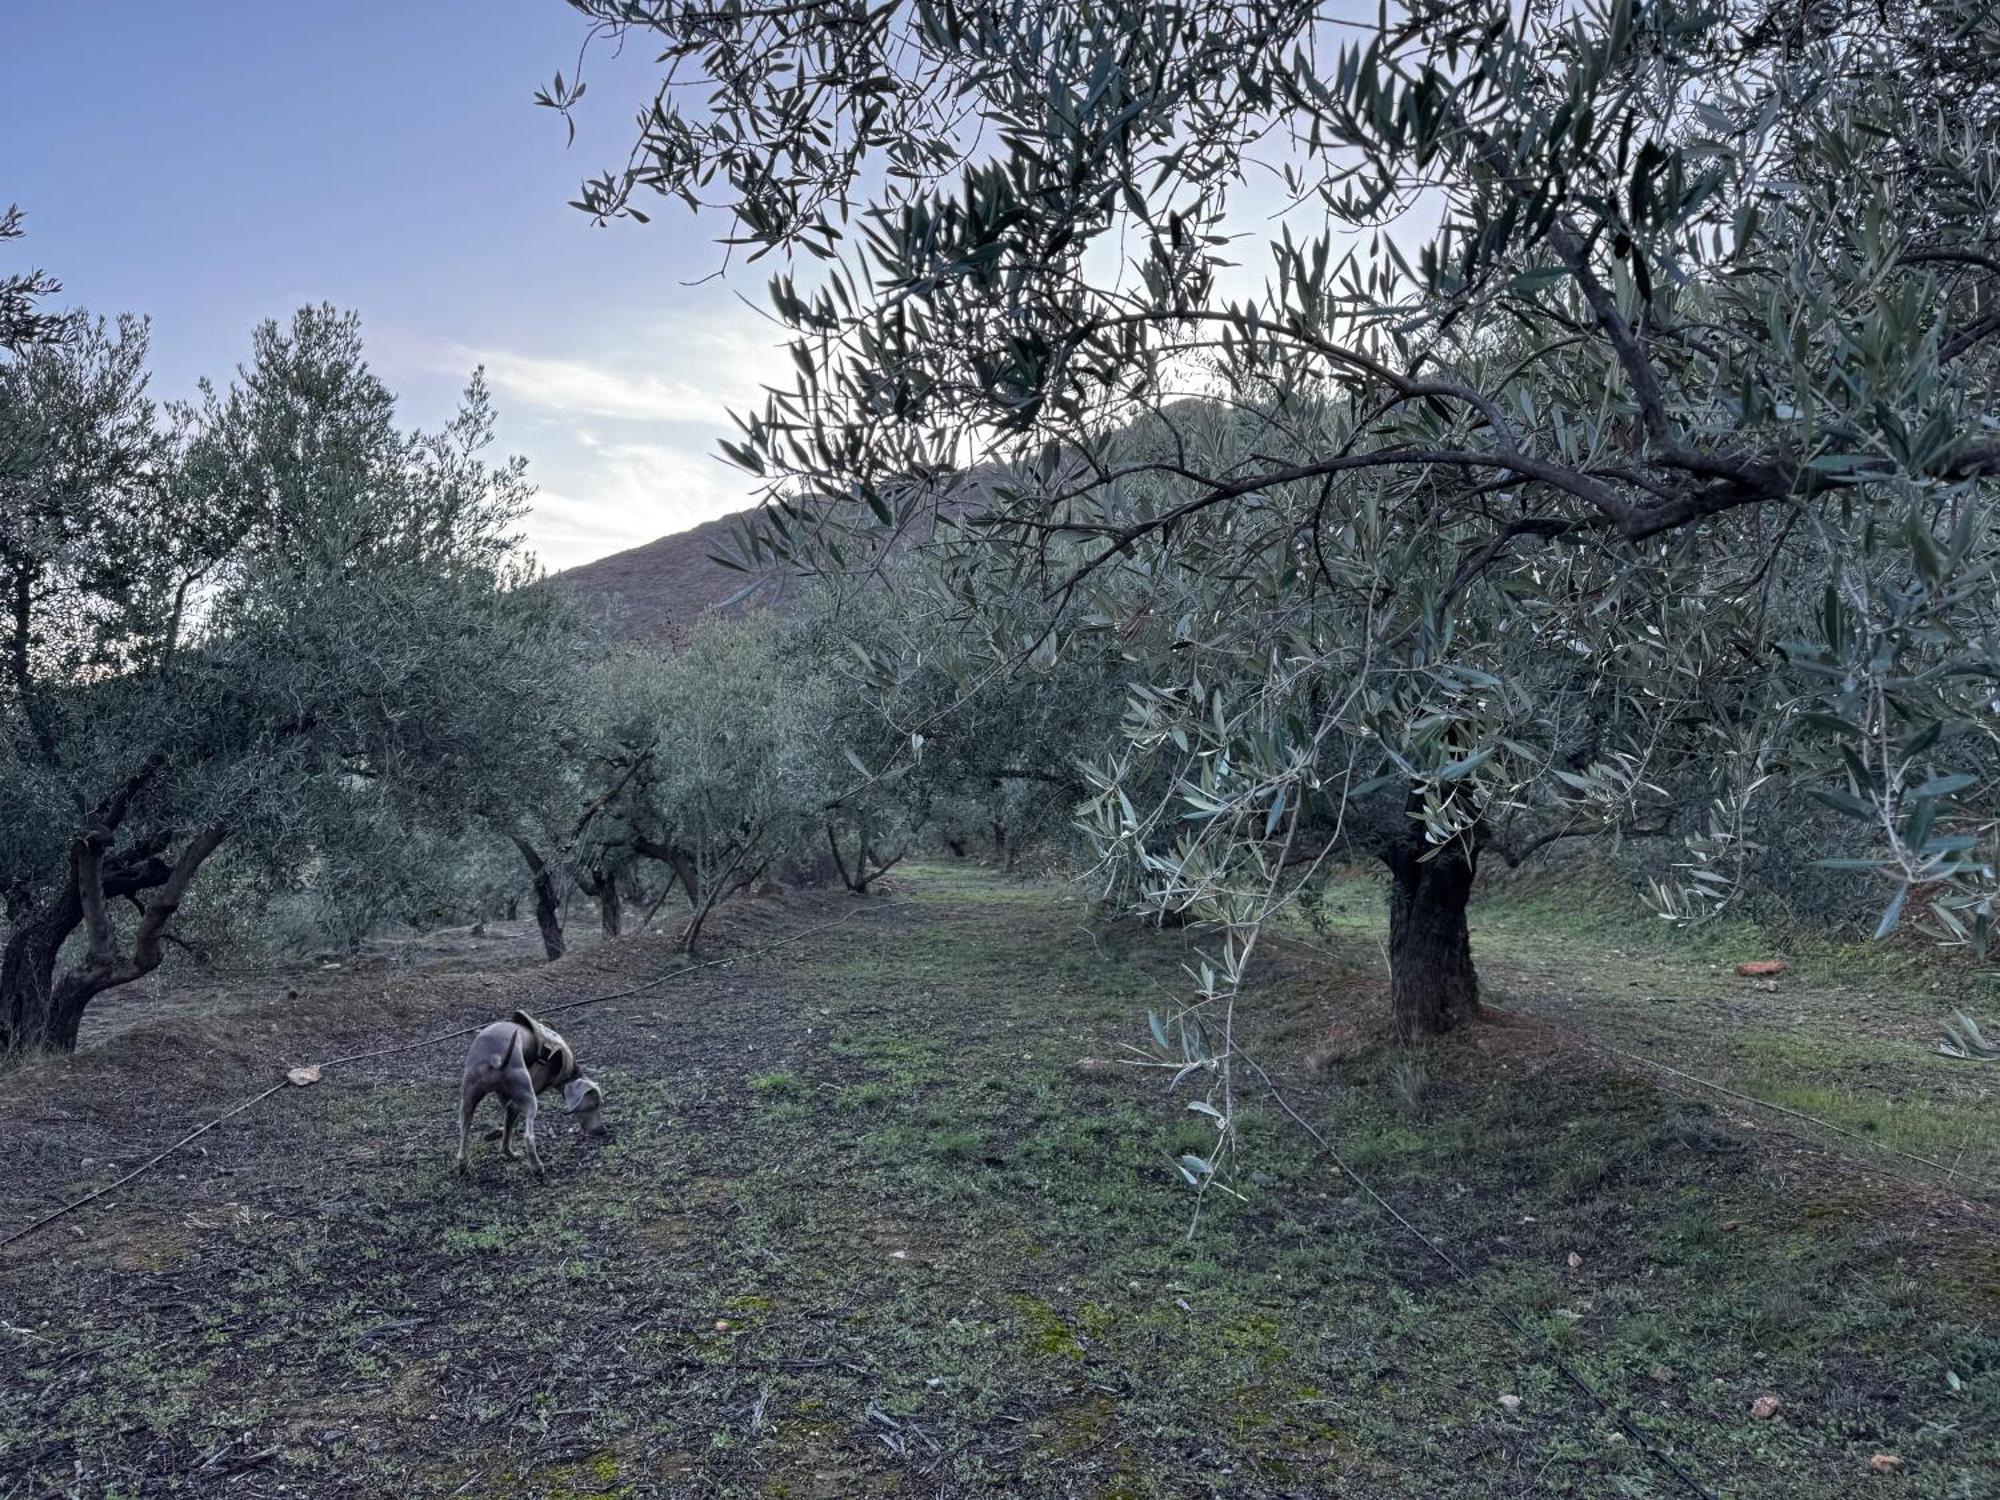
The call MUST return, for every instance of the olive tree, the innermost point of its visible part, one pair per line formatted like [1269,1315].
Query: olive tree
[1608,438]
[692,763]
[593,830]
[269,625]
[22,322]
[717,799]
[919,721]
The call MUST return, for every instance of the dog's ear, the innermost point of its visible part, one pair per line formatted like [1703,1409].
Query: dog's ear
[579,1093]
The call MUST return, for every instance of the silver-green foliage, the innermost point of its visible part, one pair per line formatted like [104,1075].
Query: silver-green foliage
[23,322]
[270,627]
[930,712]
[839,737]
[1609,439]
[1965,1040]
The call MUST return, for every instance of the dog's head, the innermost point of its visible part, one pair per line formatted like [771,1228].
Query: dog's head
[584,1099]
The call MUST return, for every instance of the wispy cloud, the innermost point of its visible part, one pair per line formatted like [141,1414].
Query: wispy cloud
[610,495]
[620,430]
[575,388]
[689,371]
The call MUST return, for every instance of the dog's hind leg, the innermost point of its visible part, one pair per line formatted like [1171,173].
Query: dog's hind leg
[517,1088]
[528,1113]
[468,1101]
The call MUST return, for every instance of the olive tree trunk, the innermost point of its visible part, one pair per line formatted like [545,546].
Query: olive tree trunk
[548,904]
[38,1008]
[1432,983]
[610,904]
[869,865]
[602,887]
[28,973]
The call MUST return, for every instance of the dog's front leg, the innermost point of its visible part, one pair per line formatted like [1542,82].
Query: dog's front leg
[507,1137]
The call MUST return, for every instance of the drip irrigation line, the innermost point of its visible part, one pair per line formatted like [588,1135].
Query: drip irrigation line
[1797,1114]
[678,971]
[1950,1173]
[1500,1311]
[139,1171]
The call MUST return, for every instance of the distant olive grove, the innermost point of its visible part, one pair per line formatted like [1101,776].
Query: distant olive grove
[271,657]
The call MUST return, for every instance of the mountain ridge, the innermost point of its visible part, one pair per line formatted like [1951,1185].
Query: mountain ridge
[654,593]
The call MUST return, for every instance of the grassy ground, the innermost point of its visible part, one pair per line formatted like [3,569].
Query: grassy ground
[882,1218]
[1848,1033]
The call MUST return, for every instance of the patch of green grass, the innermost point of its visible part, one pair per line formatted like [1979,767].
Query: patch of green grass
[599,1477]
[957,1143]
[477,1240]
[859,1097]
[1047,1335]
[1846,1036]
[1605,922]
[1871,1090]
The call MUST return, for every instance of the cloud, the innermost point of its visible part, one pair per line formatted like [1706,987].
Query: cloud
[636,491]
[620,431]
[689,371]
[562,531]
[574,387]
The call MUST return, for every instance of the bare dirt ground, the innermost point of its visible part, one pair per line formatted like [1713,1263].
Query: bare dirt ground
[184,990]
[882,1214]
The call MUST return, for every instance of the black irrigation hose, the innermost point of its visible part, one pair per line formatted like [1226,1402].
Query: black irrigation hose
[1500,1311]
[430,1041]
[44,1222]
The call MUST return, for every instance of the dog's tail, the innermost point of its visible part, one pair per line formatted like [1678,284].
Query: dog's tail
[513,1051]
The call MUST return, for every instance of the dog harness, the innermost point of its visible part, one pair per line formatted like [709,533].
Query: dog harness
[551,1049]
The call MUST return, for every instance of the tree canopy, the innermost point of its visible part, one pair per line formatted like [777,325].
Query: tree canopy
[269,624]
[1606,444]
[22,322]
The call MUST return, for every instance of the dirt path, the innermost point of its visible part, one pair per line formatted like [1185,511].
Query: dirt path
[880,1218]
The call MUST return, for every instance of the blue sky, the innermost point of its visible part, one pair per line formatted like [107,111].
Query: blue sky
[213,163]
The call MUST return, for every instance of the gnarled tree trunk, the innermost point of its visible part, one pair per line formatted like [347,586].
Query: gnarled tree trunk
[869,866]
[548,905]
[676,859]
[610,907]
[28,971]
[1433,986]
[38,1009]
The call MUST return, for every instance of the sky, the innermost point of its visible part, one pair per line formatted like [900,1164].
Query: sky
[213,163]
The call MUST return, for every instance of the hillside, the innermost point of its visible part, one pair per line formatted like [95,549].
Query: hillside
[655,592]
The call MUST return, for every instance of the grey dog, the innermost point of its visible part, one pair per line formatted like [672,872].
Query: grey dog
[519,1059]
